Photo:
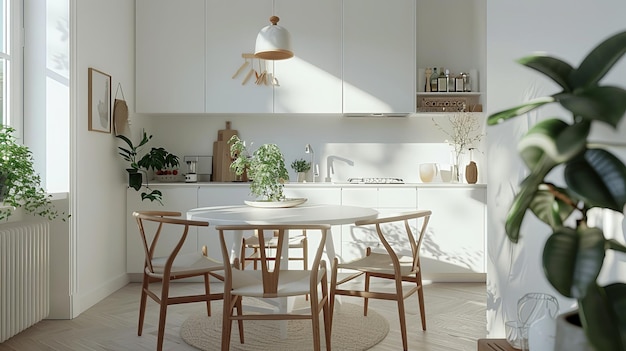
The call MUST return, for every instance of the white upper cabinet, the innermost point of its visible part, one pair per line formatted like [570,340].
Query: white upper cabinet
[169,56]
[310,82]
[231,30]
[379,56]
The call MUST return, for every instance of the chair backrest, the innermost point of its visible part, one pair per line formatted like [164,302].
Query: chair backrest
[271,266]
[406,218]
[150,242]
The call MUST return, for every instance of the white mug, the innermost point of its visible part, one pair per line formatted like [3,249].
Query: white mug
[428,171]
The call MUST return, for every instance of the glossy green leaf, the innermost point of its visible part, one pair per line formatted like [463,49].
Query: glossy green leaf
[554,68]
[599,178]
[501,116]
[525,196]
[616,245]
[572,259]
[617,297]
[599,61]
[604,104]
[607,305]
[556,139]
[550,207]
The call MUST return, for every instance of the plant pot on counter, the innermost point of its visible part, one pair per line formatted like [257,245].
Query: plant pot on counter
[135,178]
[301,177]
[570,336]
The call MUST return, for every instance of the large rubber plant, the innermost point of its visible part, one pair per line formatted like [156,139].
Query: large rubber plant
[574,254]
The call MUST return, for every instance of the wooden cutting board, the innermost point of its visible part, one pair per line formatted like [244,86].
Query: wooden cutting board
[226,134]
[221,155]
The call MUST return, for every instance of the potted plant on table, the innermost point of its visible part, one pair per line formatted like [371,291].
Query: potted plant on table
[573,255]
[266,168]
[20,185]
[156,159]
[301,166]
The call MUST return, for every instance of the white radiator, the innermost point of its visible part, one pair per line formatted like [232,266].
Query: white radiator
[24,276]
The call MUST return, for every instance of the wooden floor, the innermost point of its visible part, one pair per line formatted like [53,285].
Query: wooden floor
[455,317]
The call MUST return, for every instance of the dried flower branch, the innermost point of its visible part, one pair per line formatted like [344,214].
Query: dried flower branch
[464,135]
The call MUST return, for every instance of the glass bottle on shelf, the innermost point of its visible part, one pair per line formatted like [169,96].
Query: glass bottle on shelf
[427,73]
[442,81]
[466,82]
[451,81]
[458,82]
[433,80]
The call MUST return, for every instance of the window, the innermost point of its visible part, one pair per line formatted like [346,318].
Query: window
[34,83]
[10,53]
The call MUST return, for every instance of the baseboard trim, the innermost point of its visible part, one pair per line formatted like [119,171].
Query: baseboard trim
[87,300]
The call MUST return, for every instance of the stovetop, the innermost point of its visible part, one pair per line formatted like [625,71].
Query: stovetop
[383,180]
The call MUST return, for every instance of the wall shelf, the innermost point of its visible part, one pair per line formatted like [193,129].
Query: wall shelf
[451,93]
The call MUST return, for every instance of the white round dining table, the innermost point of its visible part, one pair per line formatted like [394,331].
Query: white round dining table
[302,214]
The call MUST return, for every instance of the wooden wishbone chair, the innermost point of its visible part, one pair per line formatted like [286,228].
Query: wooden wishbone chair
[172,265]
[275,279]
[390,264]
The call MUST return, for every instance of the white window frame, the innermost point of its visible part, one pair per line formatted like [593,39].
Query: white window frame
[13,32]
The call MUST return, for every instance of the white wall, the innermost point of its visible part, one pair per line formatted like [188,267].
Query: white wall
[194,135]
[103,38]
[564,28]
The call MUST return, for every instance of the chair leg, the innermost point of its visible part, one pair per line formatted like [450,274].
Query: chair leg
[367,289]
[142,303]
[327,328]
[315,321]
[420,297]
[163,313]
[305,258]
[256,254]
[240,322]
[226,322]
[333,289]
[207,291]
[401,315]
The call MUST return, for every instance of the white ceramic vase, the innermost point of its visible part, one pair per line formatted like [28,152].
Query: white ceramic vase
[569,335]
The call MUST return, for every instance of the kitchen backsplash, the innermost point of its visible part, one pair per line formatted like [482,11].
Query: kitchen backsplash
[351,147]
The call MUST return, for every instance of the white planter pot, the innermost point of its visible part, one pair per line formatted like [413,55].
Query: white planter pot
[570,336]
[301,177]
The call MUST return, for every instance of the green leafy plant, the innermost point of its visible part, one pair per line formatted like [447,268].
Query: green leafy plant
[20,185]
[266,168]
[156,159]
[573,255]
[301,165]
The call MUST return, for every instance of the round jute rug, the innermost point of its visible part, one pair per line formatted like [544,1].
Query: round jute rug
[351,331]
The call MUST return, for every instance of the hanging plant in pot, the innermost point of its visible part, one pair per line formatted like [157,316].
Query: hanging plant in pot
[573,255]
[265,167]
[156,159]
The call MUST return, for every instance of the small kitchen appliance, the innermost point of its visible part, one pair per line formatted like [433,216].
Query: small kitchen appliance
[199,168]
[191,176]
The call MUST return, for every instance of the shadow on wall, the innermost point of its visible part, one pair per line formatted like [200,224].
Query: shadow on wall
[433,258]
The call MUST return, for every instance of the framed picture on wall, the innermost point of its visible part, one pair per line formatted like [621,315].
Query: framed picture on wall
[99,101]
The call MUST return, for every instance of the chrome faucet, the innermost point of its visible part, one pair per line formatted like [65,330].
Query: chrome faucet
[330,165]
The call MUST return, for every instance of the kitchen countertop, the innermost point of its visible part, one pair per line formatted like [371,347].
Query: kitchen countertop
[330,185]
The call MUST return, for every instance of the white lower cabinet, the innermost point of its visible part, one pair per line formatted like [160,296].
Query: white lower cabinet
[175,198]
[386,200]
[452,250]
[455,238]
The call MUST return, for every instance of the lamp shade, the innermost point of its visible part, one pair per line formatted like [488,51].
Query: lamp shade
[273,42]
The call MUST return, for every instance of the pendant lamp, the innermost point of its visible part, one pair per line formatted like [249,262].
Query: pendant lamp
[273,42]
